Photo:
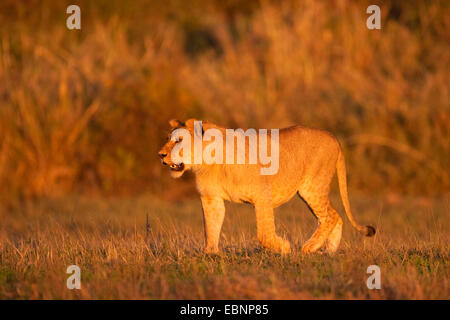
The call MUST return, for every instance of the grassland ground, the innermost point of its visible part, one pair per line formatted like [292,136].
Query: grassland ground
[120,257]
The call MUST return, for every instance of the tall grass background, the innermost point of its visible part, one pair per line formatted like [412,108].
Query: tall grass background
[85,111]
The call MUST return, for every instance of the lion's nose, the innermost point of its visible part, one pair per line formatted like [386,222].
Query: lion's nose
[162,155]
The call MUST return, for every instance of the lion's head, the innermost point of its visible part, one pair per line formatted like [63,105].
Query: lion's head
[168,153]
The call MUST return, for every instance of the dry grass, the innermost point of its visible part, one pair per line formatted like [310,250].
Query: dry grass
[118,259]
[84,111]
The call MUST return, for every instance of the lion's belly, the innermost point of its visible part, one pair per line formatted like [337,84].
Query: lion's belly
[250,194]
[232,185]
[279,199]
[237,195]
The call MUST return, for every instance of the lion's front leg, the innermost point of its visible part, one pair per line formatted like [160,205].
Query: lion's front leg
[265,223]
[213,214]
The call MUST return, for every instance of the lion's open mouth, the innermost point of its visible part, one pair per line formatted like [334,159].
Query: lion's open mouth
[177,167]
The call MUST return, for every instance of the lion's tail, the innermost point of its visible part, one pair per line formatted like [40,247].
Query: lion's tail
[342,179]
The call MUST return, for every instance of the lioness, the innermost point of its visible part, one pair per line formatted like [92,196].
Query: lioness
[308,159]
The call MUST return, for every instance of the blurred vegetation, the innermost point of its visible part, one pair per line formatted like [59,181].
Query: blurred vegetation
[86,111]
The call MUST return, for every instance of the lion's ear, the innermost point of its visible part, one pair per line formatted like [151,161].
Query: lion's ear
[196,126]
[176,123]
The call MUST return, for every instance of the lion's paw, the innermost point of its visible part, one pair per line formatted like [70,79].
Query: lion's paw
[285,247]
[281,246]
[310,247]
[210,250]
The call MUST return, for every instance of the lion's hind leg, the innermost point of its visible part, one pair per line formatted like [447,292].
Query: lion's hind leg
[334,238]
[327,219]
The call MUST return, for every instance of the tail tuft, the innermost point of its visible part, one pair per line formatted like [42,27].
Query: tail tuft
[370,231]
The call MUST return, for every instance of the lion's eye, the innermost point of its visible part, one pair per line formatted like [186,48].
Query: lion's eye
[176,140]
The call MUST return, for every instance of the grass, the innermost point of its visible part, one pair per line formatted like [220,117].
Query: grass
[84,111]
[120,258]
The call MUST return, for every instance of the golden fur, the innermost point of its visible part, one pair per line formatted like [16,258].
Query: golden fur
[308,159]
